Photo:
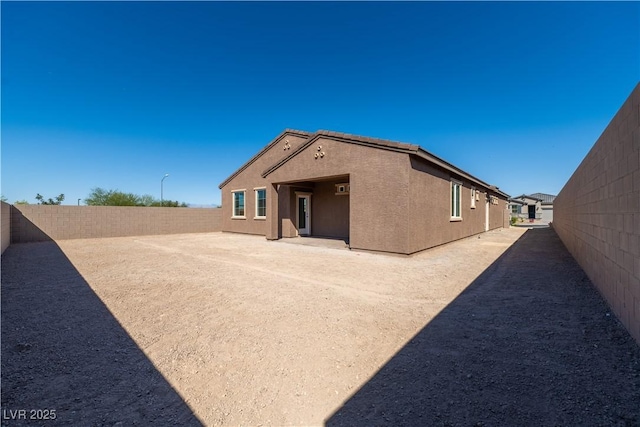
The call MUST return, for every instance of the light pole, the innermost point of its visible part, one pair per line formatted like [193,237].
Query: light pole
[78,202]
[162,189]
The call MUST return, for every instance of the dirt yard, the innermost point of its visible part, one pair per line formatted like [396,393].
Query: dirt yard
[228,329]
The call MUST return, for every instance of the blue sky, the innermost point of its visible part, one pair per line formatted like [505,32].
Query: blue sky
[116,94]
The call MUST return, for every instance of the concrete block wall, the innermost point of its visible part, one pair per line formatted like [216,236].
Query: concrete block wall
[32,223]
[597,214]
[5,219]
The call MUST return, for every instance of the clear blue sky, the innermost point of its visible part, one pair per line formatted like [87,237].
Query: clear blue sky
[116,94]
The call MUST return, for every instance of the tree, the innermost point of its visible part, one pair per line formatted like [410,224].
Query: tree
[102,197]
[20,202]
[58,200]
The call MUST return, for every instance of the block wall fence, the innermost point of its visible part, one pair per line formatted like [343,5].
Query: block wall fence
[33,223]
[5,219]
[597,214]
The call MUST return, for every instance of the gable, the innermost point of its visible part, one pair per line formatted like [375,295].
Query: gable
[281,139]
[345,138]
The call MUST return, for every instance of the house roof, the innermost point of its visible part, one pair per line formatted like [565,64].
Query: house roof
[545,198]
[385,144]
[264,150]
[525,196]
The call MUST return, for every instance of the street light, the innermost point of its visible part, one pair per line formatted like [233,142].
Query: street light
[162,189]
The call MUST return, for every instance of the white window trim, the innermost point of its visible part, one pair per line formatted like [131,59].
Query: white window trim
[455,218]
[233,204]
[255,191]
[473,197]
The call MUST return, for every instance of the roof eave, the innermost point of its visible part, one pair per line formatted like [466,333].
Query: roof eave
[284,133]
[451,168]
[367,142]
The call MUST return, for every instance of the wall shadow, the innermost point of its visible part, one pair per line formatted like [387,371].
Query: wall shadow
[62,349]
[529,342]
[23,230]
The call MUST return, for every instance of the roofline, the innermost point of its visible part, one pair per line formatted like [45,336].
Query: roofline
[367,142]
[399,147]
[421,152]
[277,139]
[528,197]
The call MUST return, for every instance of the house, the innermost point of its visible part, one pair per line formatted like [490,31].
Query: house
[536,207]
[546,204]
[375,194]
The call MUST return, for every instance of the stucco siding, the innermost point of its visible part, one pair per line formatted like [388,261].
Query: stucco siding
[329,212]
[378,199]
[398,201]
[430,208]
[248,180]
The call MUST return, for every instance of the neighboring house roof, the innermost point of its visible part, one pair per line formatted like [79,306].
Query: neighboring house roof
[524,196]
[264,150]
[545,198]
[384,144]
[516,202]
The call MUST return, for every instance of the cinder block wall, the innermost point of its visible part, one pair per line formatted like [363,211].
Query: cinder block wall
[5,218]
[597,214]
[32,223]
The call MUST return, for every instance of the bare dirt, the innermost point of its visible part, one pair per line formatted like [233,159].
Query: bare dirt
[228,329]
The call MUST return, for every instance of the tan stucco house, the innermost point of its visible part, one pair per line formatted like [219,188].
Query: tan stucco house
[536,207]
[375,194]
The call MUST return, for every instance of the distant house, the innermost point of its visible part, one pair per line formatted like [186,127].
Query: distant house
[536,207]
[375,194]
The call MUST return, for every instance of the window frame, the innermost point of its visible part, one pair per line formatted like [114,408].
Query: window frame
[455,201]
[257,191]
[244,204]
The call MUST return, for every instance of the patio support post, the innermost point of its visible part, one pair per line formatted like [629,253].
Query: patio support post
[272,212]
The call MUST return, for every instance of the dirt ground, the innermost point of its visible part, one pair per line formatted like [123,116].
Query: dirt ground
[228,329]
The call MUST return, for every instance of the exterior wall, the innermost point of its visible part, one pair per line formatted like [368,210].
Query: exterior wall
[5,218]
[397,203]
[378,201]
[497,213]
[524,210]
[597,214]
[430,208]
[329,212]
[249,179]
[32,223]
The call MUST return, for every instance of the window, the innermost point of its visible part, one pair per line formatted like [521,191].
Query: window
[473,197]
[515,209]
[238,203]
[456,190]
[261,203]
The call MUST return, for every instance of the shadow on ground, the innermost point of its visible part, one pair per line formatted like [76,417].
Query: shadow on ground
[530,342]
[63,350]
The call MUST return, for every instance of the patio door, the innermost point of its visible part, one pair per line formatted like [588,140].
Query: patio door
[303,214]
